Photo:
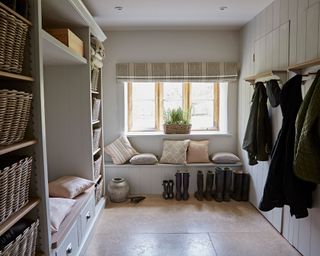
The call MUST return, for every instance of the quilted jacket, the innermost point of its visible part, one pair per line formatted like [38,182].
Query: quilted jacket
[307,141]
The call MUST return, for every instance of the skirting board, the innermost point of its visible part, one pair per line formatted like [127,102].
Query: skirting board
[147,179]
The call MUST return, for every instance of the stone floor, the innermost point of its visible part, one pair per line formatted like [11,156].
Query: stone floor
[186,228]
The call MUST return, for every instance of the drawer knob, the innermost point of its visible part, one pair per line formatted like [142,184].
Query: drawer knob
[69,249]
[88,215]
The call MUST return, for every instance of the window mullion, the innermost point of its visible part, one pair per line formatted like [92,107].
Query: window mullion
[186,96]
[129,106]
[158,103]
[216,105]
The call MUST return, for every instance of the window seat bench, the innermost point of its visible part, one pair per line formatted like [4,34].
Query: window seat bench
[147,179]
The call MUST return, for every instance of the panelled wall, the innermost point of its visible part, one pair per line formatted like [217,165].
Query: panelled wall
[286,32]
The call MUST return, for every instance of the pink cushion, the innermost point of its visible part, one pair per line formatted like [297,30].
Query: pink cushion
[198,152]
[69,186]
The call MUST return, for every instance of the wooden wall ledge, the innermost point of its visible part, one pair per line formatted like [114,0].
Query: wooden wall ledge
[303,65]
[253,78]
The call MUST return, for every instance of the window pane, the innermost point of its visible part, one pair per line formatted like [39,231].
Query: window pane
[202,102]
[202,114]
[172,95]
[143,106]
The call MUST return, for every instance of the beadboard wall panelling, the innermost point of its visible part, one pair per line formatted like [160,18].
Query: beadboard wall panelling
[301,44]
[146,179]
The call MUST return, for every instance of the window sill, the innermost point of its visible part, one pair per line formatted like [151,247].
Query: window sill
[193,133]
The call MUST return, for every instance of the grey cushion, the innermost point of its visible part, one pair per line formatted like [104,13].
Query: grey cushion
[224,158]
[145,158]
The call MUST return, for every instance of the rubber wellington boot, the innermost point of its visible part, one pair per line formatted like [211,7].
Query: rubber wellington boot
[165,193]
[209,186]
[219,184]
[185,195]
[237,185]
[199,193]
[227,184]
[245,186]
[178,185]
[170,192]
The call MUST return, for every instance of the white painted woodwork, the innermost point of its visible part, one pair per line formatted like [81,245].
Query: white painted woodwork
[69,13]
[312,38]
[56,53]
[304,45]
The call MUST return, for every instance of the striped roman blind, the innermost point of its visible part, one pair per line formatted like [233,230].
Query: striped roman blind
[177,71]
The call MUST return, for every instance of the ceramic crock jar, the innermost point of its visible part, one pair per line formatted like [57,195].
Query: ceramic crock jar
[118,189]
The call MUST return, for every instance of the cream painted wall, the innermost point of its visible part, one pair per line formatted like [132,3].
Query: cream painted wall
[277,44]
[166,46]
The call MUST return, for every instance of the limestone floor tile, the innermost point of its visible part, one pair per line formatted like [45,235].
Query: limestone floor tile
[170,228]
[151,245]
[252,244]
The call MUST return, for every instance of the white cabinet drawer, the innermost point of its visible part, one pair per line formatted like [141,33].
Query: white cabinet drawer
[70,245]
[87,215]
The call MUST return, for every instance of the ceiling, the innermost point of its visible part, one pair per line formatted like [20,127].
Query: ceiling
[174,14]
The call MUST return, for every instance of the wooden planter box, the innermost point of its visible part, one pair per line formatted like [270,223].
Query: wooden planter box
[176,129]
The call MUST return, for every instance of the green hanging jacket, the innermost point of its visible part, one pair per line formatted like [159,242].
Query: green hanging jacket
[307,141]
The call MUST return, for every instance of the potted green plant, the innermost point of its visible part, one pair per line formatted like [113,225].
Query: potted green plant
[177,121]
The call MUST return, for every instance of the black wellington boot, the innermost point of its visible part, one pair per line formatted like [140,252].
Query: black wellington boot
[209,186]
[178,185]
[170,192]
[199,193]
[165,193]
[227,184]
[245,186]
[219,184]
[237,185]
[185,195]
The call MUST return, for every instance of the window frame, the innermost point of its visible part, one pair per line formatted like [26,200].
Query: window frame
[186,103]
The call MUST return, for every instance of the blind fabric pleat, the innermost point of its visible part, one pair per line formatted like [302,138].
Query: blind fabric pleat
[177,71]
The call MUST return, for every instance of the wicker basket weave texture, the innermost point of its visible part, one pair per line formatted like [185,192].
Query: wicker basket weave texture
[99,190]
[96,138]
[94,79]
[176,129]
[13,34]
[96,109]
[97,166]
[24,244]
[14,115]
[14,187]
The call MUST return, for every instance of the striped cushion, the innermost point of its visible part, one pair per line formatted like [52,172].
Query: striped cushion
[120,150]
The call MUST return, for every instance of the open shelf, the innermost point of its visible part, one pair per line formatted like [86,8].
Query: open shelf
[96,151]
[307,64]
[15,217]
[69,13]
[17,15]
[253,78]
[8,75]
[16,146]
[56,53]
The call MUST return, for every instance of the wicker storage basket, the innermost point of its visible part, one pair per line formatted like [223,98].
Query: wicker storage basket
[99,191]
[13,34]
[97,166]
[24,244]
[14,115]
[94,78]
[14,186]
[176,128]
[96,138]
[96,109]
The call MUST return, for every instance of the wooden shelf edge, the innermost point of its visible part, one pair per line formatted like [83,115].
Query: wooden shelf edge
[17,15]
[16,146]
[15,217]
[5,74]
[95,122]
[97,179]
[263,74]
[94,92]
[303,65]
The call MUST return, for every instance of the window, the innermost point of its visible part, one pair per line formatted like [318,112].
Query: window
[148,100]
